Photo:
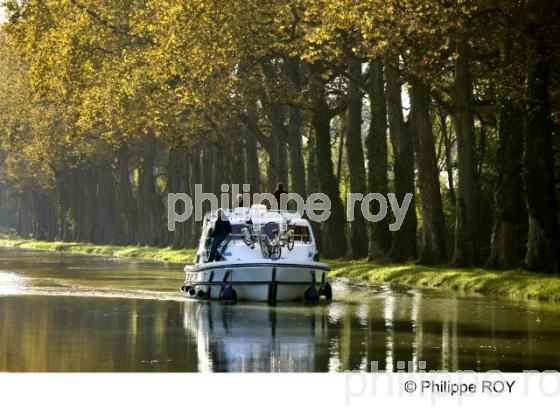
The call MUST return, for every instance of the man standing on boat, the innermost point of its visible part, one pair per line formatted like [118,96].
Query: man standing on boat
[222,228]
[278,194]
[239,201]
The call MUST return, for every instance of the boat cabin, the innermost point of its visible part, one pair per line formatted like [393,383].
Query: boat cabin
[251,227]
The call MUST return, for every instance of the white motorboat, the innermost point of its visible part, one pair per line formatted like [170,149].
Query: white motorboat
[269,256]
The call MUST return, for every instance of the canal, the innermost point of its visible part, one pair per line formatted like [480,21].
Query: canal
[61,312]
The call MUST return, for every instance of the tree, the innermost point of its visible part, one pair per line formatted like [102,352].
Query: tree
[355,156]
[376,143]
[433,249]
[403,246]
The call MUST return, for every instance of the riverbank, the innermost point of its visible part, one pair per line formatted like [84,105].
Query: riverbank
[511,283]
[516,283]
[143,252]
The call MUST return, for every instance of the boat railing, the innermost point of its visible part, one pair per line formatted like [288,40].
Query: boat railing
[244,212]
[257,235]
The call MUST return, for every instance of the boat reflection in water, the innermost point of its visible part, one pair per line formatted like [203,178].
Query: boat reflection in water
[256,337]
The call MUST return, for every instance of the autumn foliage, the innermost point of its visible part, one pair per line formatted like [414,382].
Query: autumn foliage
[106,106]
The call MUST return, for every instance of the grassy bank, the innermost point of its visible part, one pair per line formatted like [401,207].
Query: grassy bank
[144,252]
[512,283]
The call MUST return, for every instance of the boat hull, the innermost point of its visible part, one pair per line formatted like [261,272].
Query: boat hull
[257,281]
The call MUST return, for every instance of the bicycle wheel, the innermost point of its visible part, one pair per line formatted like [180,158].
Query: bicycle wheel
[265,247]
[246,235]
[275,252]
[290,240]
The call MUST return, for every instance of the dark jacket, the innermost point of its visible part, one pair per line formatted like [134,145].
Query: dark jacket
[277,195]
[221,228]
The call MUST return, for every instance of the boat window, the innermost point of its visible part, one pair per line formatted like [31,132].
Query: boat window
[301,233]
[235,231]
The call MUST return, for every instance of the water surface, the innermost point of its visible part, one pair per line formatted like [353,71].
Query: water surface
[62,312]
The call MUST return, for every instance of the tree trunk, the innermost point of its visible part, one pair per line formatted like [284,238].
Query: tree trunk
[433,250]
[358,244]
[237,162]
[87,195]
[376,144]
[278,171]
[543,248]
[44,216]
[312,183]
[8,204]
[278,165]
[76,200]
[25,214]
[107,215]
[63,190]
[217,169]
[334,239]
[506,246]
[206,174]
[295,130]
[150,206]
[177,180]
[126,199]
[196,178]
[253,176]
[466,224]
[403,246]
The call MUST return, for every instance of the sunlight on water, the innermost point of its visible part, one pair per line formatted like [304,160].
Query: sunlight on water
[85,292]
[12,284]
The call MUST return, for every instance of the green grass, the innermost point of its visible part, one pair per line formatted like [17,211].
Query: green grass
[511,283]
[144,252]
